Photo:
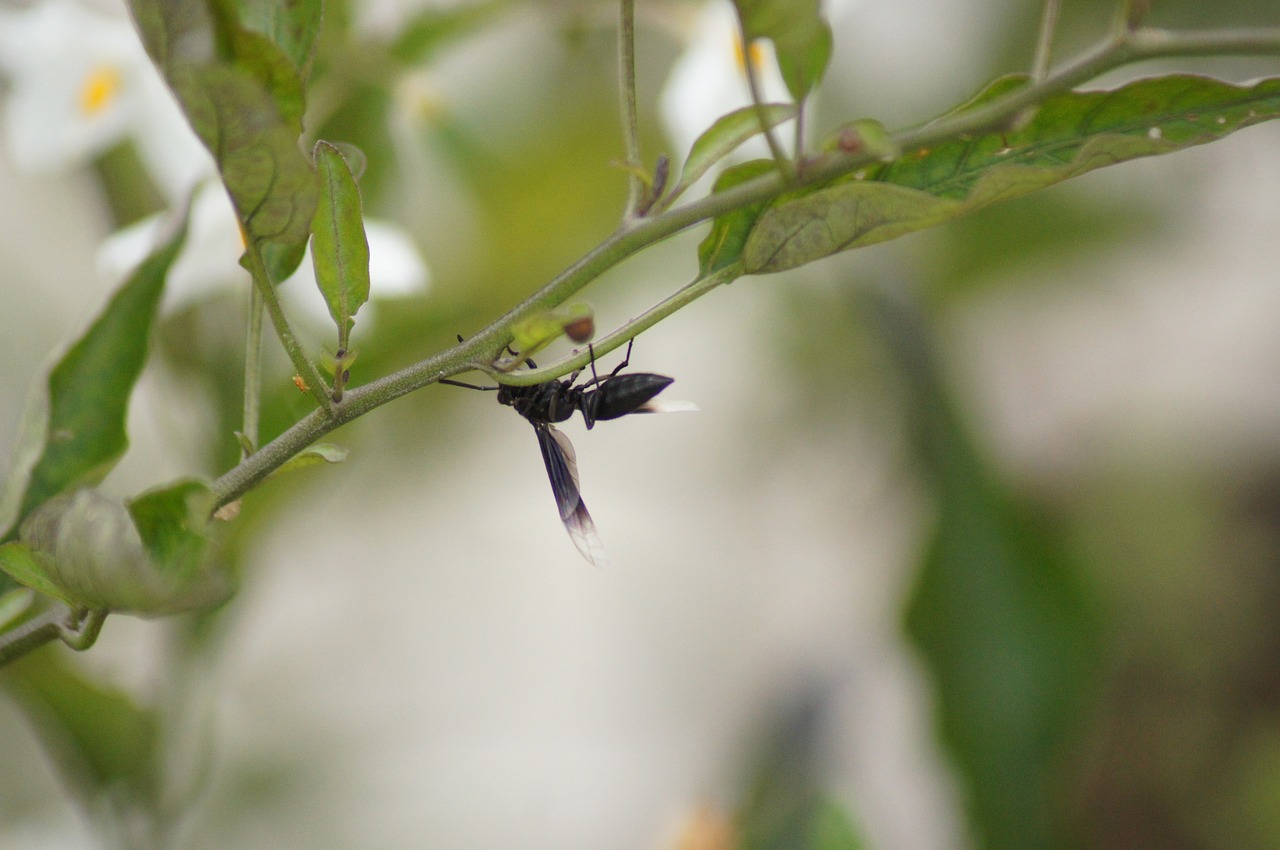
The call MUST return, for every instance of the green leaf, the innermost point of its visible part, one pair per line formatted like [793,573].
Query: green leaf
[1000,615]
[801,38]
[312,456]
[243,96]
[268,178]
[105,746]
[339,248]
[723,245]
[282,260]
[725,135]
[804,62]
[73,428]
[997,88]
[32,569]
[171,523]
[291,25]
[94,552]
[1069,135]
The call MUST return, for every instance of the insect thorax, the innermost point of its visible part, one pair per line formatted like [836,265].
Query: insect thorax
[553,401]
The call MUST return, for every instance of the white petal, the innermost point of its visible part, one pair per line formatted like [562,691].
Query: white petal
[395,265]
[53,53]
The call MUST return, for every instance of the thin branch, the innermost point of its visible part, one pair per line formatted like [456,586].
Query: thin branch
[253,368]
[1133,13]
[757,99]
[479,351]
[301,363]
[77,629]
[33,634]
[1044,42]
[799,141]
[630,329]
[627,94]
[84,634]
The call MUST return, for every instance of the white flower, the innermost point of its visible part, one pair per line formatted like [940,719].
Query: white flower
[709,78]
[79,82]
[209,260]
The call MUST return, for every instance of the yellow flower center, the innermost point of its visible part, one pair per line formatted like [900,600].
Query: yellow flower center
[100,88]
[753,53]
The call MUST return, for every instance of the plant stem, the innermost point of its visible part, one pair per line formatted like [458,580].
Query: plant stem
[1044,43]
[86,632]
[479,351]
[77,630]
[630,329]
[33,634]
[252,261]
[785,167]
[253,368]
[627,93]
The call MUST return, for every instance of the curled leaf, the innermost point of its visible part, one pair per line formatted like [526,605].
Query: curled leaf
[865,134]
[94,552]
[541,329]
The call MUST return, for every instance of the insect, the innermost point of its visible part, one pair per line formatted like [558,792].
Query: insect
[597,399]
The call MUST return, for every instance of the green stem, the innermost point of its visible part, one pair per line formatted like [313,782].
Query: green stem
[301,363]
[1044,43]
[85,633]
[479,351]
[33,634]
[627,94]
[78,631]
[785,167]
[253,368]
[627,331]
[799,140]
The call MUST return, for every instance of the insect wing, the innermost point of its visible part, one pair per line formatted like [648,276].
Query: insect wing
[562,469]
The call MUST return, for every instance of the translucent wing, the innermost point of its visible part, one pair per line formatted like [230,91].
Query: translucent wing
[562,469]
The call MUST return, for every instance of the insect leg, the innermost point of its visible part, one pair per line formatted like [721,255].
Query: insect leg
[465,385]
[626,359]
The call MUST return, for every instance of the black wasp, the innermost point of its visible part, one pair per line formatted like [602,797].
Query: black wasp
[596,399]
